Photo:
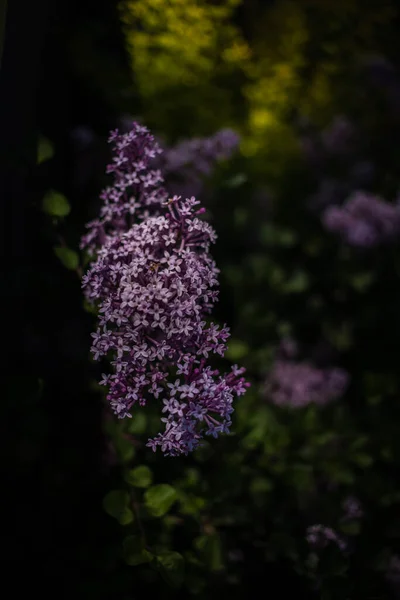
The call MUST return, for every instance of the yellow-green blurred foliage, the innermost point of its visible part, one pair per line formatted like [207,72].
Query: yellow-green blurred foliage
[186,57]
[195,72]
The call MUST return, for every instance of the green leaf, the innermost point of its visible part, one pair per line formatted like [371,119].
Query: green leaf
[236,350]
[45,150]
[116,504]
[363,460]
[159,499]
[123,448]
[236,180]
[126,517]
[286,238]
[69,258]
[362,281]
[138,424]
[298,283]
[190,504]
[210,549]
[55,204]
[134,552]
[140,476]
[171,567]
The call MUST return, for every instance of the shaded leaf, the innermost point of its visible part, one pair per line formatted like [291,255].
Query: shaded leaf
[171,567]
[159,499]
[45,150]
[55,204]
[69,258]
[134,552]
[140,476]
[116,504]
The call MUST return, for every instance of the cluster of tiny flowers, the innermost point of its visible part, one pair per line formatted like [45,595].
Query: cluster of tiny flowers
[297,384]
[136,190]
[363,220]
[154,283]
[185,165]
[319,536]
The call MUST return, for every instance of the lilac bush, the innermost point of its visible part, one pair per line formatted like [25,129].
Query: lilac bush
[154,283]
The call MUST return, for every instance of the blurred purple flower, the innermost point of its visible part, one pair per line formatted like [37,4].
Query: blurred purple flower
[364,220]
[319,536]
[186,164]
[297,384]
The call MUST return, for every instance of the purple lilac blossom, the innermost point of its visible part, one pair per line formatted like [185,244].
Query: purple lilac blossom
[136,190]
[319,536]
[364,220]
[154,283]
[186,164]
[297,384]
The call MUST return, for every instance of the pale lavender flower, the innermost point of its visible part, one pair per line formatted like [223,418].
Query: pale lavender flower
[154,283]
[136,190]
[297,384]
[364,220]
[188,163]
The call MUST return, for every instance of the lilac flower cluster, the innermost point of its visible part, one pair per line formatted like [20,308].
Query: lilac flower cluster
[364,220]
[297,384]
[319,536]
[154,283]
[185,165]
[137,187]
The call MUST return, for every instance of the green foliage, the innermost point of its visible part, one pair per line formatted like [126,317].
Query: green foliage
[55,204]
[236,350]
[171,567]
[68,257]
[159,499]
[134,553]
[117,504]
[140,476]
[210,550]
[45,150]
